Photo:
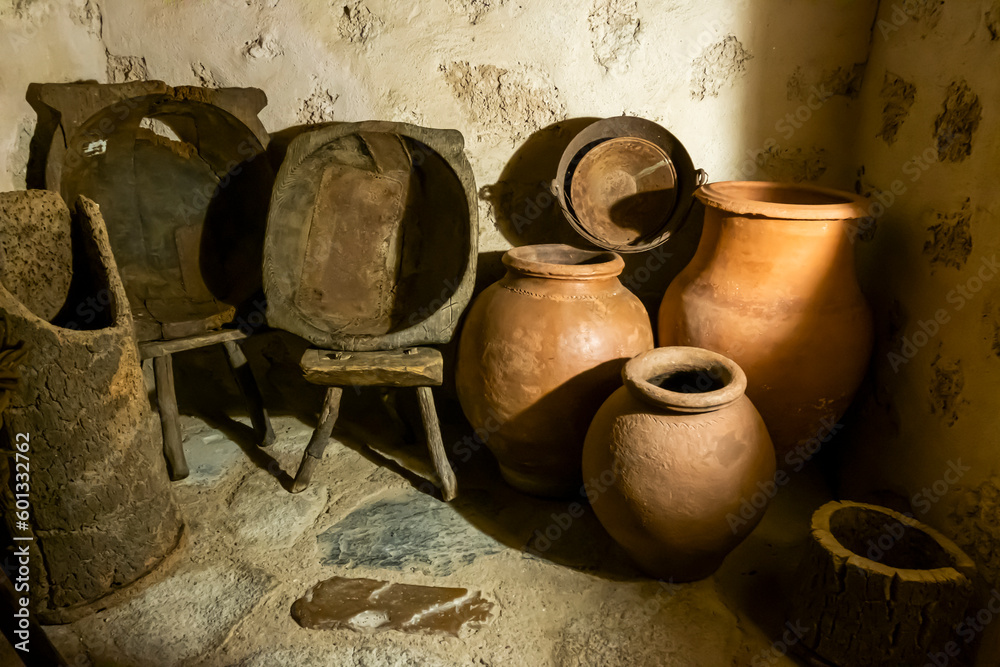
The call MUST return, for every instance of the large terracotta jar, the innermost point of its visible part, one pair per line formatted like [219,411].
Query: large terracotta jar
[540,351]
[677,463]
[773,287]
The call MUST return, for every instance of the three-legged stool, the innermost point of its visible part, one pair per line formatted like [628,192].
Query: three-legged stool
[160,352]
[420,367]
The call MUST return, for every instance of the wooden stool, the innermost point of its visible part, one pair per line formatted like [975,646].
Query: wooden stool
[160,352]
[420,367]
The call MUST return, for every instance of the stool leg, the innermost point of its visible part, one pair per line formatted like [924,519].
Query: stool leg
[388,397]
[449,487]
[166,399]
[319,440]
[251,393]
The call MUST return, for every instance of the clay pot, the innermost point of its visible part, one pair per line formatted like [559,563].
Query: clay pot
[672,456]
[773,287]
[539,352]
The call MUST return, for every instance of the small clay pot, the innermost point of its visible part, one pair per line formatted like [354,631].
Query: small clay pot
[670,458]
[540,351]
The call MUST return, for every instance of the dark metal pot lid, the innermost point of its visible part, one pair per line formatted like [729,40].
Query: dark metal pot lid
[626,184]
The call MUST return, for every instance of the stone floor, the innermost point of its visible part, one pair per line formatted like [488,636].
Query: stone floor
[559,591]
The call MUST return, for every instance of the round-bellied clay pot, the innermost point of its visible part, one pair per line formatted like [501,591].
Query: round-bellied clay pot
[539,351]
[672,456]
[773,287]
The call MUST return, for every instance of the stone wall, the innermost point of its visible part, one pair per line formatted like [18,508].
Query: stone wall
[721,75]
[927,150]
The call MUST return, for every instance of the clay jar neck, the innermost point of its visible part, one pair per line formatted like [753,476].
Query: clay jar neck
[789,238]
[561,269]
[684,379]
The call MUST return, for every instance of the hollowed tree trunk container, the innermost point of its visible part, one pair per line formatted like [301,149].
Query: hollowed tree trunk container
[540,351]
[879,589]
[672,456]
[102,517]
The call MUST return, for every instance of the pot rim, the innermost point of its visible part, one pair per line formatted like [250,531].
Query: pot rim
[666,360]
[961,564]
[782,200]
[563,262]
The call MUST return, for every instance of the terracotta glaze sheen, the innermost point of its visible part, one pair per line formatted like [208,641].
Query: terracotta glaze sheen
[671,458]
[539,352]
[773,287]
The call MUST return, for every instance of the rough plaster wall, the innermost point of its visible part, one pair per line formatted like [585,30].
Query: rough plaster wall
[769,89]
[929,120]
[498,70]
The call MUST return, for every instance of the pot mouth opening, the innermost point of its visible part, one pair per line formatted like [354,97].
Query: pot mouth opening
[556,260]
[794,201]
[889,539]
[694,380]
[685,379]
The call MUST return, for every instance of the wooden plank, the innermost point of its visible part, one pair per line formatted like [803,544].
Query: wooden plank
[158,348]
[183,318]
[166,399]
[449,486]
[411,367]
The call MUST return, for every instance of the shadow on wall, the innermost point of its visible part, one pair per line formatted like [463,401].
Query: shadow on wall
[277,148]
[525,209]
[802,106]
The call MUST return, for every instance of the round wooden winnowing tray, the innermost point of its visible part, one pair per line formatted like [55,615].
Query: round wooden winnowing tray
[623,190]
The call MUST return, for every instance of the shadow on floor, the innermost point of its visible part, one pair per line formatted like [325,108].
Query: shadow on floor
[385,428]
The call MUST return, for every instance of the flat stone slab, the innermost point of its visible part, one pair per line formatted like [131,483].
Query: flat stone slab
[264,515]
[414,531]
[211,456]
[180,618]
[359,604]
[356,656]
